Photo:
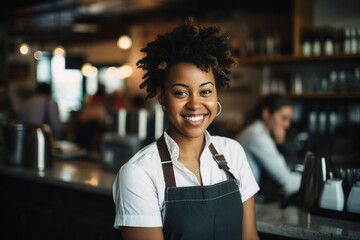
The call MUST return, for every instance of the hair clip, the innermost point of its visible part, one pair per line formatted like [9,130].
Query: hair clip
[162,65]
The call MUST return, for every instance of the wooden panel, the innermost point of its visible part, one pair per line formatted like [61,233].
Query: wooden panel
[34,210]
[303,18]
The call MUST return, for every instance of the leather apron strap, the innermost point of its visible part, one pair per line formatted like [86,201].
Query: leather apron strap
[167,165]
[166,162]
[220,160]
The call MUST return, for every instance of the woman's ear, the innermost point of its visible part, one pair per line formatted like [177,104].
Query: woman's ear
[160,94]
[265,113]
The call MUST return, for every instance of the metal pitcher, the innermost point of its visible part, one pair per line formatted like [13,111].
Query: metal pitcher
[316,171]
[27,145]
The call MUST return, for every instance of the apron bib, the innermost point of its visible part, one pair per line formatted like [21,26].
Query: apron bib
[212,212]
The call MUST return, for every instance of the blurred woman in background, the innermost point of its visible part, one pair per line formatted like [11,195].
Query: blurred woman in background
[261,139]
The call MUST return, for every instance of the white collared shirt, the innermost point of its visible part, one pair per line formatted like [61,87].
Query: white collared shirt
[139,187]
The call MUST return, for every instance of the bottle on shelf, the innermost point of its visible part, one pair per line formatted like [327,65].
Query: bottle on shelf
[356,82]
[297,86]
[306,46]
[328,44]
[347,41]
[269,45]
[321,84]
[317,42]
[333,79]
[337,41]
[250,45]
[358,39]
[343,81]
[353,40]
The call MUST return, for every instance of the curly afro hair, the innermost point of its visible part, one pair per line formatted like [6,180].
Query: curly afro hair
[203,46]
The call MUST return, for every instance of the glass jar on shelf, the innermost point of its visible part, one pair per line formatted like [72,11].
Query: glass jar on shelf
[306,39]
[328,44]
[353,40]
[358,39]
[317,42]
[347,41]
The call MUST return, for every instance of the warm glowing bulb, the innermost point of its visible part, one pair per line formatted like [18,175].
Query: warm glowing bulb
[111,71]
[59,51]
[125,71]
[124,42]
[89,70]
[37,55]
[24,49]
[94,72]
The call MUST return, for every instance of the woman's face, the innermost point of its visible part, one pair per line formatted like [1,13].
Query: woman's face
[278,122]
[190,100]
[281,118]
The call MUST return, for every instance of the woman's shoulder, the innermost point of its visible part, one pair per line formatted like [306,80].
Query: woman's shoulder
[232,151]
[226,144]
[146,156]
[140,177]
[145,165]
[223,140]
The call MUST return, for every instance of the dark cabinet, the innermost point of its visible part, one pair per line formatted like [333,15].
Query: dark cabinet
[81,226]
[31,209]
[24,221]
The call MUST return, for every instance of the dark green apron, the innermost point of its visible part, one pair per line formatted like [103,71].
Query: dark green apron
[212,212]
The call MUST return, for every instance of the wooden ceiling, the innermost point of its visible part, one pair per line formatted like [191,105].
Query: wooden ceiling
[94,20]
[70,20]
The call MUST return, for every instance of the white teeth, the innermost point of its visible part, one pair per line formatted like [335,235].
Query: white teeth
[195,118]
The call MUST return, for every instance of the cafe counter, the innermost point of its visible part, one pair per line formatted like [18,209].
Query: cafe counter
[73,199]
[70,200]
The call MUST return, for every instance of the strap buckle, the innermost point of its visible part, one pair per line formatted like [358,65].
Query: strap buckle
[164,162]
[219,161]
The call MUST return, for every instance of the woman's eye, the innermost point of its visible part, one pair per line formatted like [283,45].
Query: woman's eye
[206,92]
[180,93]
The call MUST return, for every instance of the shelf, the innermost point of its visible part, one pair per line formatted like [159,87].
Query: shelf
[294,59]
[330,95]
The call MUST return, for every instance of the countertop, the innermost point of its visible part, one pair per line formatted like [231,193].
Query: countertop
[295,223]
[79,175]
[290,222]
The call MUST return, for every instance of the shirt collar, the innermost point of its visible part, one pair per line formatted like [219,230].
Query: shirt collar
[207,139]
[174,148]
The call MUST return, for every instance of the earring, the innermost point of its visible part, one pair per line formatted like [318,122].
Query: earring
[163,108]
[219,109]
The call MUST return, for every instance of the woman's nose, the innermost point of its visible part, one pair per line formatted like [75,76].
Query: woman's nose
[287,124]
[193,103]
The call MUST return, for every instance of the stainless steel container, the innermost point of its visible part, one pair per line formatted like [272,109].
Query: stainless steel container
[117,150]
[14,135]
[26,145]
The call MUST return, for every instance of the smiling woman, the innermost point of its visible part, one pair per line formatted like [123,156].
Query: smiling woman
[190,100]
[189,184]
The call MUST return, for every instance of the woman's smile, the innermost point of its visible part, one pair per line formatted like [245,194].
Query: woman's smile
[194,119]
